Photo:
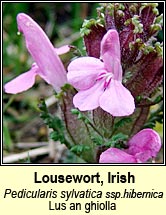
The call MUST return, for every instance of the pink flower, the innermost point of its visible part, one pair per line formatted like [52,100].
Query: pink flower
[47,63]
[141,147]
[100,81]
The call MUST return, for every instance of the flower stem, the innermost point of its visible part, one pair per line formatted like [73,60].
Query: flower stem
[97,131]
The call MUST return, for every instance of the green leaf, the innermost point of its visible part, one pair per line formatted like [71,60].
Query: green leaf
[122,122]
[155,116]
[6,134]
[78,149]
[97,140]
[117,140]
[53,122]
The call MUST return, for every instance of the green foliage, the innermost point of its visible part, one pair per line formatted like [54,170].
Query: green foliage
[155,116]
[138,27]
[97,140]
[86,120]
[80,116]
[122,122]
[7,137]
[79,149]
[117,140]
[153,5]
[87,24]
[53,122]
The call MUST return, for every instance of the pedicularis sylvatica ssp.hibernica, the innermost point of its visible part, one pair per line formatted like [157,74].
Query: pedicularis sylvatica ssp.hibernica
[105,96]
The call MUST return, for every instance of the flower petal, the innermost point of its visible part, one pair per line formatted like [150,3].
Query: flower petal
[88,99]
[62,50]
[110,43]
[42,51]
[22,82]
[110,47]
[83,71]
[142,157]
[114,155]
[145,141]
[117,100]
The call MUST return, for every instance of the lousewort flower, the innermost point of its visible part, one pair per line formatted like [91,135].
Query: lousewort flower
[100,81]
[47,63]
[141,147]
